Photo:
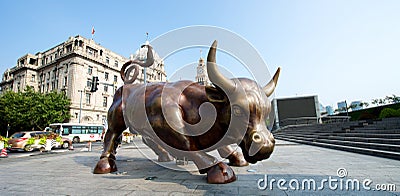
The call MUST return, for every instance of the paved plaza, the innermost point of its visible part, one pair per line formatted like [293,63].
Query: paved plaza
[293,169]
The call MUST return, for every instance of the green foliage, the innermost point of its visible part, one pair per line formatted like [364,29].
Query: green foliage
[30,141]
[5,140]
[43,140]
[30,110]
[59,140]
[389,112]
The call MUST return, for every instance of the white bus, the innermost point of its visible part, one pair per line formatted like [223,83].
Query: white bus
[79,132]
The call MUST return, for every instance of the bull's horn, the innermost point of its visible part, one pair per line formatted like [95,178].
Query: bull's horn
[270,87]
[213,73]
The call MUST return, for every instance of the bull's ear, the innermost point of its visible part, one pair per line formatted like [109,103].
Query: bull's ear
[215,95]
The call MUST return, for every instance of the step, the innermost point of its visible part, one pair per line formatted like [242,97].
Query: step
[367,145]
[378,140]
[372,152]
[344,134]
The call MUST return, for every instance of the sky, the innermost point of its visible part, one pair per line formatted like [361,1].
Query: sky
[339,50]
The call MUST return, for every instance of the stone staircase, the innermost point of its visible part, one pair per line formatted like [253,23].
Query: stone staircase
[378,138]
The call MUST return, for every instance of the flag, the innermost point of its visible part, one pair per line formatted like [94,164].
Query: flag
[92,30]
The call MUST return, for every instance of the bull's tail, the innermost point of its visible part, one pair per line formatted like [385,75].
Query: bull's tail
[125,73]
[134,64]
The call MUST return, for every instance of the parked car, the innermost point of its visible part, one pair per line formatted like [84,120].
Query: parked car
[20,141]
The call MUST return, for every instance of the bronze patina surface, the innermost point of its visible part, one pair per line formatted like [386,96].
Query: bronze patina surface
[185,119]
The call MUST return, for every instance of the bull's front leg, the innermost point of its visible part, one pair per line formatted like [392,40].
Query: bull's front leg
[217,172]
[116,126]
[106,164]
[234,156]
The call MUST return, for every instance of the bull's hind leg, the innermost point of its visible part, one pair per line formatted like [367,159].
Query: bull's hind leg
[234,156]
[163,155]
[116,126]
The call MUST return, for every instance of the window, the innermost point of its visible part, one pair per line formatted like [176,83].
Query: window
[105,88]
[106,76]
[33,78]
[89,51]
[116,63]
[107,60]
[88,95]
[104,101]
[90,70]
[115,78]
[89,83]
[69,48]
[65,81]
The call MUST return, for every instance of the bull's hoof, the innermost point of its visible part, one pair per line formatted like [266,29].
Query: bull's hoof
[105,165]
[165,158]
[237,159]
[220,173]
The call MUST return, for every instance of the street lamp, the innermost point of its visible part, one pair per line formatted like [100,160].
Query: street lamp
[80,107]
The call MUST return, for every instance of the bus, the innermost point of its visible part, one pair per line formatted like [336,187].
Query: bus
[79,132]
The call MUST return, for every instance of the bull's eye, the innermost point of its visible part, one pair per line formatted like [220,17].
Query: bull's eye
[237,111]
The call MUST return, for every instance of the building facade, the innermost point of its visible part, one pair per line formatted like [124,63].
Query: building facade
[201,73]
[342,106]
[70,67]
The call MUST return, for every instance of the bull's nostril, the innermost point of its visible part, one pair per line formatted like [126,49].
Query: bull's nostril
[256,138]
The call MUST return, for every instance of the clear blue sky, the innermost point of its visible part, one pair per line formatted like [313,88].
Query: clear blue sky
[338,50]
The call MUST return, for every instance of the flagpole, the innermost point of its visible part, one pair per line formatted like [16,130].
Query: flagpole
[92,32]
[145,70]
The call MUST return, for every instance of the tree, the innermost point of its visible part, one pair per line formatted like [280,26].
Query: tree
[366,104]
[30,110]
[392,99]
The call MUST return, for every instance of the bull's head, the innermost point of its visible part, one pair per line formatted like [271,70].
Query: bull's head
[249,109]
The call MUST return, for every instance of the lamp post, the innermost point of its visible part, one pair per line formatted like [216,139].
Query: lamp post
[144,58]
[8,129]
[80,107]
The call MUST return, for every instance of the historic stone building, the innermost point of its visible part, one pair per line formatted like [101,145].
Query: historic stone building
[70,67]
[201,74]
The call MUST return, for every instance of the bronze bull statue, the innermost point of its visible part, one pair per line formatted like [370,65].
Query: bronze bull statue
[185,119]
